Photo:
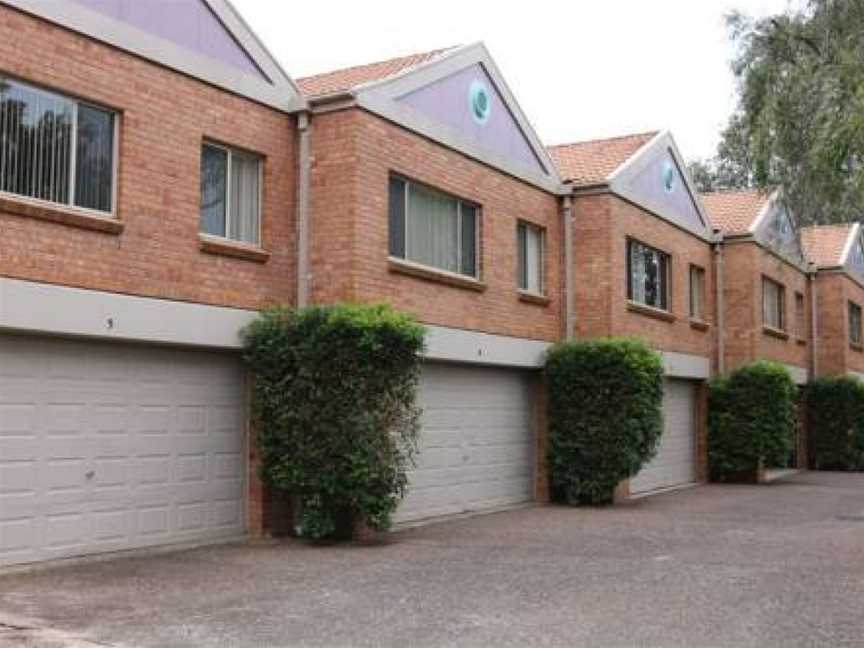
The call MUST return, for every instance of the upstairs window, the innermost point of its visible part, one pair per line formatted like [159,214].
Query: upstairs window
[56,149]
[697,292]
[432,228]
[531,251]
[647,275]
[855,334]
[231,194]
[773,304]
[800,317]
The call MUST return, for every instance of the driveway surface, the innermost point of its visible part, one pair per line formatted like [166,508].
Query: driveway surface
[775,565]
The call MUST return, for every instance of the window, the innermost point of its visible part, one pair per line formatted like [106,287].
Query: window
[531,244]
[648,275]
[855,336]
[800,317]
[56,149]
[773,304]
[432,228]
[697,292]
[230,194]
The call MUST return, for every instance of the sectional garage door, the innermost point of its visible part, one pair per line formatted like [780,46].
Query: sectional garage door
[675,463]
[477,443]
[106,447]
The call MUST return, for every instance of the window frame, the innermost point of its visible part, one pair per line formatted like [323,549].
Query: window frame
[855,307]
[781,305]
[230,152]
[699,271]
[478,215]
[521,258]
[666,283]
[800,315]
[76,101]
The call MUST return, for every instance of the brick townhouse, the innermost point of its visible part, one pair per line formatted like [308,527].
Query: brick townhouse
[838,252]
[766,287]
[643,266]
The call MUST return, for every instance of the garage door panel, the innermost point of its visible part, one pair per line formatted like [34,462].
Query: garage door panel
[114,447]
[476,443]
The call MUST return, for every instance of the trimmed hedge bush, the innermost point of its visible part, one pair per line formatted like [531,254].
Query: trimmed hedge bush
[751,421]
[334,406]
[605,416]
[835,412]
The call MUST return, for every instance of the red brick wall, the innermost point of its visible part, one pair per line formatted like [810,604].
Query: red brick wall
[834,291]
[354,153]
[745,264]
[603,224]
[164,118]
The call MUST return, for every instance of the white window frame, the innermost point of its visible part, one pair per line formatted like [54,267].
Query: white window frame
[698,271]
[781,304]
[459,202]
[73,156]
[854,307]
[230,152]
[541,231]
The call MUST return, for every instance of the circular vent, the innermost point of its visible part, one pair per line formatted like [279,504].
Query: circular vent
[479,102]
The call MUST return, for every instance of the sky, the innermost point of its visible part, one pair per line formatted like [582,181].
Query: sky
[579,70]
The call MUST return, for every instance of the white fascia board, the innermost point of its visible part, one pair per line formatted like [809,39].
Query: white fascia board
[854,235]
[380,97]
[282,94]
[686,365]
[473,347]
[617,183]
[47,309]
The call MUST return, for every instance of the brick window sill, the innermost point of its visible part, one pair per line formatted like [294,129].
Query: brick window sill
[650,311]
[858,348]
[224,247]
[775,333]
[70,216]
[431,274]
[699,324]
[533,298]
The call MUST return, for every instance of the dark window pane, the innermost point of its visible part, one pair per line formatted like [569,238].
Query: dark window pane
[469,240]
[522,251]
[397,217]
[214,171]
[94,158]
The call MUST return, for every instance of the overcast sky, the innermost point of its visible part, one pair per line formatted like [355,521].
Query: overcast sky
[580,70]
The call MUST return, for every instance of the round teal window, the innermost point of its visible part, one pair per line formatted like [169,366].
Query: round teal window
[479,102]
[668,177]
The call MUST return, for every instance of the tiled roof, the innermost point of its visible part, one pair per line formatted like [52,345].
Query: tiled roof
[592,162]
[348,78]
[824,244]
[733,212]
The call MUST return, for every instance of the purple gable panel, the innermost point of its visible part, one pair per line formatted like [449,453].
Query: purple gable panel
[187,23]
[661,183]
[448,102]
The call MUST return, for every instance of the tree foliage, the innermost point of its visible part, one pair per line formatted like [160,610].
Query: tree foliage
[800,116]
[334,406]
[835,408]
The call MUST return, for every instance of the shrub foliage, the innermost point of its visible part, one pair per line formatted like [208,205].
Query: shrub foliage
[835,411]
[334,404]
[751,421]
[605,416]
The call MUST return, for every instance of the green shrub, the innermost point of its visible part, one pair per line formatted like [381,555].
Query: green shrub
[835,412]
[605,416]
[334,405]
[751,421]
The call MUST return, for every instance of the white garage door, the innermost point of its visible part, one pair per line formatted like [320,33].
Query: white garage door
[477,442]
[106,447]
[675,463]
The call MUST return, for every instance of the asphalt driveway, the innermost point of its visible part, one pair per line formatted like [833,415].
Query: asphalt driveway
[776,565]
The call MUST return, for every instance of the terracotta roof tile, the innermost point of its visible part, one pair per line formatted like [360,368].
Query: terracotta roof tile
[592,162]
[824,244]
[733,212]
[348,78]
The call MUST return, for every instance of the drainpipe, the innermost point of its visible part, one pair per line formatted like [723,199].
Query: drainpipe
[304,276]
[569,315]
[720,316]
[814,323]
